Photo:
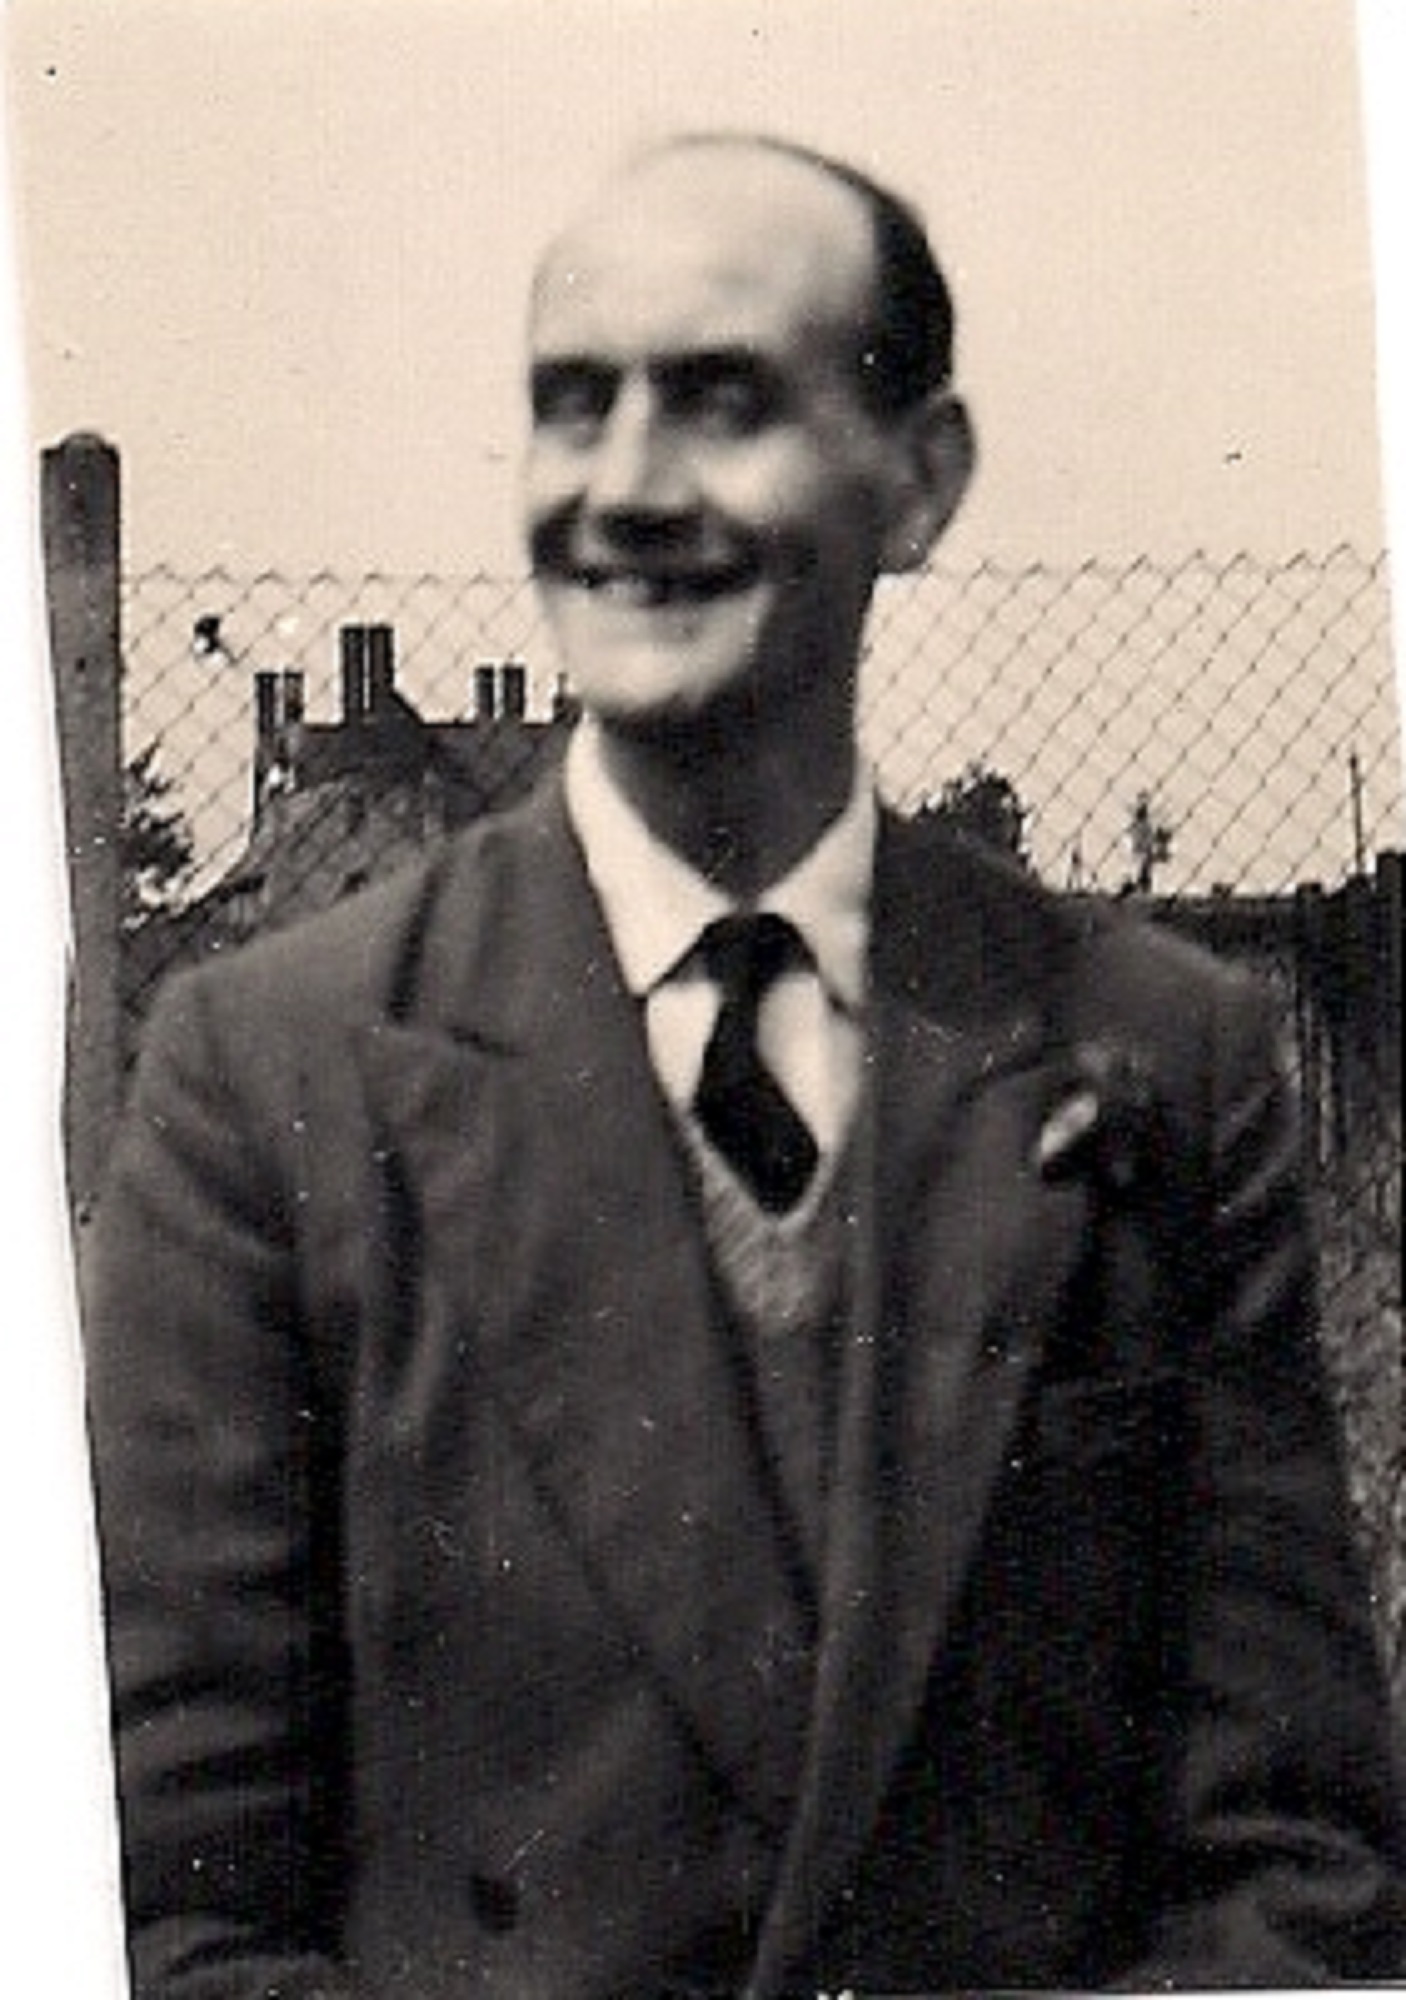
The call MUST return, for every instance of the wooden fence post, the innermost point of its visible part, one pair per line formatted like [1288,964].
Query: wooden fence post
[81,521]
[1391,867]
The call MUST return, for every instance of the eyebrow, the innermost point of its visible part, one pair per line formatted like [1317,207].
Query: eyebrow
[697,367]
[688,364]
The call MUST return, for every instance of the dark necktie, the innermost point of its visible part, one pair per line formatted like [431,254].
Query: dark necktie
[740,1107]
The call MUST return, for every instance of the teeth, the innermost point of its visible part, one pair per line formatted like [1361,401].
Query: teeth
[638,592]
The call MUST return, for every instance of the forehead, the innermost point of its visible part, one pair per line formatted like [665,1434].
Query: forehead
[708,248]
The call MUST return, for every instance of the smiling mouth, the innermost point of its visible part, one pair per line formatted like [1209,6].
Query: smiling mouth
[642,589]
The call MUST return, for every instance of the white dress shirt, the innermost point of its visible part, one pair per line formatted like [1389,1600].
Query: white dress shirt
[809,1028]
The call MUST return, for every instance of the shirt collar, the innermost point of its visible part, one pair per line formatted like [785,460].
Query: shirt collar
[655,905]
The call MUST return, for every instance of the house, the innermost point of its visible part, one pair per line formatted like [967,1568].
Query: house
[337,805]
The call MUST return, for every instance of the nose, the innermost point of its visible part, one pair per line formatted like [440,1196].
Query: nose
[636,468]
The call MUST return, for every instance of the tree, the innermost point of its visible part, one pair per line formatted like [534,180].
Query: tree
[986,805]
[156,849]
[1150,843]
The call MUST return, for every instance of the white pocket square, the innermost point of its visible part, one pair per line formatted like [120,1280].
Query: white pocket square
[1102,1117]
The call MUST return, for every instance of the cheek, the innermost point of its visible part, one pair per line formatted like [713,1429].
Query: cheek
[817,490]
[549,480]
[840,532]
[774,485]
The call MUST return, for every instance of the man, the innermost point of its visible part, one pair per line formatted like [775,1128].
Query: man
[646,1453]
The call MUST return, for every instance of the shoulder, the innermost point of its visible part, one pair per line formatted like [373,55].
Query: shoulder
[1150,969]
[337,964]
[987,935]
[360,959]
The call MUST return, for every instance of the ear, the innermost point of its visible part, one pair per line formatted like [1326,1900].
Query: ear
[935,456]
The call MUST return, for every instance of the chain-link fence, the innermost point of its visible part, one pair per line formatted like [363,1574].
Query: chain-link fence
[1219,738]
[1199,730]
[1250,704]
[1217,734]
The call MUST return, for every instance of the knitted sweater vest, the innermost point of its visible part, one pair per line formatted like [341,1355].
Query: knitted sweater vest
[783,1282]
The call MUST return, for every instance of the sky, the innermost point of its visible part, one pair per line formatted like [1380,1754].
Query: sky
[278,253]
[171,354]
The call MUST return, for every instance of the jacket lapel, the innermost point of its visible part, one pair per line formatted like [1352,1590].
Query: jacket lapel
[558,1255]
[512,1078]
[964,1254]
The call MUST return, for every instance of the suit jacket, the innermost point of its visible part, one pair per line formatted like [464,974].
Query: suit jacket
[454,1647]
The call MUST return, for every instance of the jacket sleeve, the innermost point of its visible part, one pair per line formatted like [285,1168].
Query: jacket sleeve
[1286,1851]
[206,1440]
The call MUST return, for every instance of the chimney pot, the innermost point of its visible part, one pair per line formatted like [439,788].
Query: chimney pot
[380,666]
[514,690]
[355,680]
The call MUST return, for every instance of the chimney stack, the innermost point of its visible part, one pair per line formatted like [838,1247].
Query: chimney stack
[278,716]
[380,667]
[486,691]
[513,685]
[356,690]
[278,702]
[265,706]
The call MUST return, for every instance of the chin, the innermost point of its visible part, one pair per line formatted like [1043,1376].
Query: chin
[664,688]
[669,720]
[703,719]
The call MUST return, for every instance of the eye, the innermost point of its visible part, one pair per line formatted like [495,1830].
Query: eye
[571,396]
[722,398]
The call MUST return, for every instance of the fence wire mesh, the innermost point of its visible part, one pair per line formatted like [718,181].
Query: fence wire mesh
[1250,704]
[1221,733]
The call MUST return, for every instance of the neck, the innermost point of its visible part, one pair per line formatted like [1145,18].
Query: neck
[740,809]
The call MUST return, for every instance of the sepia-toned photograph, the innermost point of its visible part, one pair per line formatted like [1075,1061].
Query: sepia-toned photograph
[730,829]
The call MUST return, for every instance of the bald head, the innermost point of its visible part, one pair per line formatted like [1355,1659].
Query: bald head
[722,459]
[889,301]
